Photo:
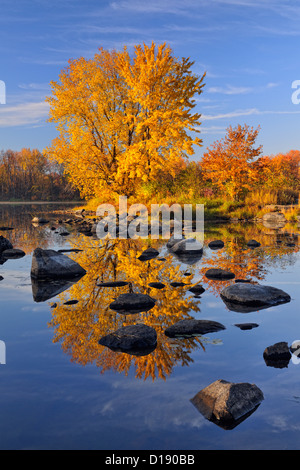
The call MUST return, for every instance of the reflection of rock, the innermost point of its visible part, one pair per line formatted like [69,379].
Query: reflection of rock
[219,274]
[13,253]
[228,404]
[51,264]
[244,297]
[278,355]
[132,303]
[42,291]
[216,244]
[188,251]
[39,220]
[192,327]
[148,254]
[138,340]
[4,244]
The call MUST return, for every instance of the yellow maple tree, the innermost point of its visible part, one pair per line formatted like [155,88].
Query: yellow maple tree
[122,119]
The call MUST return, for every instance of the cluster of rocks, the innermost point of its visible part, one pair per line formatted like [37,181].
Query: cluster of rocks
[7,251]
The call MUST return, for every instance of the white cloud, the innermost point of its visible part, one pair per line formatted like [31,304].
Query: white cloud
[245,112]
[23,114]
[230,90]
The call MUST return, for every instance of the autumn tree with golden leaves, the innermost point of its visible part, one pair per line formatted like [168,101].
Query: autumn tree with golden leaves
[228,163]
[122,119]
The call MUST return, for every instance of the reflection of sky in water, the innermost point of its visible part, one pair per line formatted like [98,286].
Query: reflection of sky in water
[48,401]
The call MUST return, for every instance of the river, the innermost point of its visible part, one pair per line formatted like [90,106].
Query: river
[60,389]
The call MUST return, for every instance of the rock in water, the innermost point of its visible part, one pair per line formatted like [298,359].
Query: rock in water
[5,244]
[137,339]
[49,264]
[253,296]
[226,403]
[132,303]
[193,327]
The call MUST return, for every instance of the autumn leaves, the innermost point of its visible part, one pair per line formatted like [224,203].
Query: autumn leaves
[122,120]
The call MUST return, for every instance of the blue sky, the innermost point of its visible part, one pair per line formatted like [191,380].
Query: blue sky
[249,49]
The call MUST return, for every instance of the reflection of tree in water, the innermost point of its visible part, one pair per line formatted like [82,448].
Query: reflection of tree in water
[278,250]
[79,327]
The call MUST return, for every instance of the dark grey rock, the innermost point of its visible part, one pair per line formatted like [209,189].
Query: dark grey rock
[177,284]
[253,243]
[197,289]
[219,274]
[113,284]
[148,254]
[253,296]
[216,244]
[246,326]
[5,244]
[228,404]
[193,327]
[277,355]
[13,253]
[132,303]
[49,264]
[156,285]
[137,340]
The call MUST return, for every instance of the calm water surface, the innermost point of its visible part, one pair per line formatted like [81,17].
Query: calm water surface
[61,390]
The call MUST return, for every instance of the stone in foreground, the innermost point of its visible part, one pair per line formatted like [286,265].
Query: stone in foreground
[253,296]
[49,264]
[193,327]
[228,404]
[138,340]
[132,303]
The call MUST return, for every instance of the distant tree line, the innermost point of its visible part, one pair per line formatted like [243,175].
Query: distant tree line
[29,175]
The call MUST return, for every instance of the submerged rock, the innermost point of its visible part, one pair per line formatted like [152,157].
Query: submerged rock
[228,404]
[54,265]
[156,285]
[244,297]
[253,244]
[132,303]
[193,327]
[246,326]
[137,340]
[219,274]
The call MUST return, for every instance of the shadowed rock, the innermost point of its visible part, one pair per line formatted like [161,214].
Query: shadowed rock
[216,244]
[5,244]
[278,355]
[219,274]
[132,303]
[113,284]
[13,253]
[156,285]
[197,289]
[138,340]
[253,244]
[192,327]
[244,297]
[228,404]
[246,326]
[148,254]
[49,264]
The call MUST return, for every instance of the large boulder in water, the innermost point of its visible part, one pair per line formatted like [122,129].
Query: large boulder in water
[244,297]
[226,403]
[50,264]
